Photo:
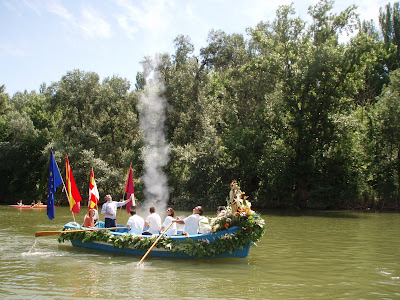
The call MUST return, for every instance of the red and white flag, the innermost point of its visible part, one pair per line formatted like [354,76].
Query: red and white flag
[93,192]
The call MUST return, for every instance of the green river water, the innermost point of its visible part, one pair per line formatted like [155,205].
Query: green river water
[303,255]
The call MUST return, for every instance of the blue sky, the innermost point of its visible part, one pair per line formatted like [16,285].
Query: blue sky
[41,40]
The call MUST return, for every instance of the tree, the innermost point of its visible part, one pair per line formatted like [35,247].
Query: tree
[25,129]
[384,143]
[117,118]
[314,70]
[389,20]
[75,96]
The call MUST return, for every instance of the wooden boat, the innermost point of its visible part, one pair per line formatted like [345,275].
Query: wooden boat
[40,206]
[232,233]
[201,239]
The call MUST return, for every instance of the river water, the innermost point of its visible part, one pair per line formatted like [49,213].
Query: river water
[303,255]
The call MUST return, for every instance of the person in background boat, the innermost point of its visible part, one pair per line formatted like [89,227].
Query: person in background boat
[89,219]
[153,221]
[33,204]
[19,203]
[221,210]
[168,220]
[204,225]
[109,210]
[192,222]
[96,216]
[135,223]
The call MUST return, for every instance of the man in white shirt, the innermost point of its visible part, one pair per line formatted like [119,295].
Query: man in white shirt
[192,222]
[109,210]
[135,223]
[153,221]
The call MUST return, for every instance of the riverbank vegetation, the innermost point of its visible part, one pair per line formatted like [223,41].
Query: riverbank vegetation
[299,117]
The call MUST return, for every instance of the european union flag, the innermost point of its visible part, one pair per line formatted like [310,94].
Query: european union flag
[55,181]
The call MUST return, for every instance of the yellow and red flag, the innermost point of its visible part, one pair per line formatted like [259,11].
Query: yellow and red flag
[73,193]
[93,192]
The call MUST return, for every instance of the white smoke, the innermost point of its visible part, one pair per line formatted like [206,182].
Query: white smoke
[156,151]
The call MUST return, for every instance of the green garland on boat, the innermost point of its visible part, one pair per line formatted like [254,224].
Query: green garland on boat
[250,230]
[238,213]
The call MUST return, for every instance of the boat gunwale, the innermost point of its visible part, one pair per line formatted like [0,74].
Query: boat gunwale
[211,237]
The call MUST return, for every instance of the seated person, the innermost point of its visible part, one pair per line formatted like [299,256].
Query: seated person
[89,219]
[192,222]
[96,216]
[221,210]
[168,220]
[135,223]
[153,221]
[204,225]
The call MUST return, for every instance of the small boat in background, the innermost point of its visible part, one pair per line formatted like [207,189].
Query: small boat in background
[40,206]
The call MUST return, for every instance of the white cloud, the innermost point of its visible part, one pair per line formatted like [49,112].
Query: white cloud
[369,9]
[11,7]
[263,9]
[56,8]
[32,5]
[93,25]
[90,24]
[149,16]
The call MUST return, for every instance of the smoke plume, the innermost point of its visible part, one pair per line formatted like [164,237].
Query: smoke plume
[156,151]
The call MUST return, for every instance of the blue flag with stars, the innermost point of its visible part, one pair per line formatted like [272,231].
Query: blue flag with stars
[55,181]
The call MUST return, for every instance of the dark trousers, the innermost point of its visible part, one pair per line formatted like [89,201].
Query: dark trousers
[110,223]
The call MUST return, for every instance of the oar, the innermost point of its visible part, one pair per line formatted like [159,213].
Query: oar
[46,233]
[155,242]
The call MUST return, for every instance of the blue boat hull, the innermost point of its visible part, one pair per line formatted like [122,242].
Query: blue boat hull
[240,253]
[244,252]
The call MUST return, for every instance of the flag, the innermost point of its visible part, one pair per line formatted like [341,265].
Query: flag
[55,181]
[73,193]
[129,190]
[93,192]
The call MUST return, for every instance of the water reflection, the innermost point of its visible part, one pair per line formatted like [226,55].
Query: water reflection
[304,255]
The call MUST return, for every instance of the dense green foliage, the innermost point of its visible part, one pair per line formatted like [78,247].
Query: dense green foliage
[300,118]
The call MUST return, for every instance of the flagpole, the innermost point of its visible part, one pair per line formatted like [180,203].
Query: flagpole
[66,193]
[91,171]
[96,196]
[64,188]
[98,220]
[123,196]
[120,208]
[68,175]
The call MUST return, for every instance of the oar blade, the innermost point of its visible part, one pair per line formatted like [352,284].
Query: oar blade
[46,233]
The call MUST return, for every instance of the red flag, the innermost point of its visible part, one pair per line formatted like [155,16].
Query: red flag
[129,190]
[73,193]
[93,192]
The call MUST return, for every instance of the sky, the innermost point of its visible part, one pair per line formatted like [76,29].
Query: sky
[42,40]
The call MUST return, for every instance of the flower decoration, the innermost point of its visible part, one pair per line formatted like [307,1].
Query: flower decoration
[250,224]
